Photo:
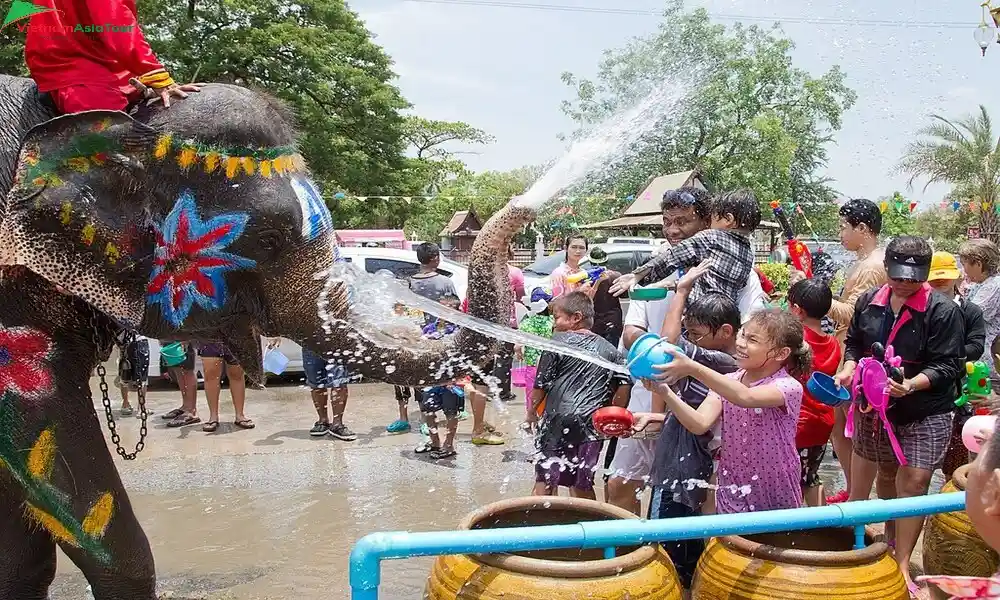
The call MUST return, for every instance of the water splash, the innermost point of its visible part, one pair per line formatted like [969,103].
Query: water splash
[377,319]
[609,142]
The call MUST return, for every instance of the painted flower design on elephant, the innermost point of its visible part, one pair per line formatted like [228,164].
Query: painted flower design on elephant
[23,356]
[189,264]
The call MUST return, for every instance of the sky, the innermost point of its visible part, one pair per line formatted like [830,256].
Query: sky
[498,68]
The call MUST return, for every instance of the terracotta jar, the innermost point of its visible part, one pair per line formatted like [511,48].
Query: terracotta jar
[798,565]
[645,571]
[951,544]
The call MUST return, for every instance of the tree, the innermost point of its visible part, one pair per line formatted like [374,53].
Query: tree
[485,193]
[750,119]
[315,55]
[434,163]
[965,153]
[897,219]
[945,227]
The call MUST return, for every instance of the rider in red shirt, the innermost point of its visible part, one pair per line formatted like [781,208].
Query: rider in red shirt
[91,70]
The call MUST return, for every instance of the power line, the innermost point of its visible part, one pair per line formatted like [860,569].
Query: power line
[850,22]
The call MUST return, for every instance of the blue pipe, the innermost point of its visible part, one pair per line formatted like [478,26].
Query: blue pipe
[370,550]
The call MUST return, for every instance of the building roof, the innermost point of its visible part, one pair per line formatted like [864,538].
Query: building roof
[460,222]
[351,236]
[647,202]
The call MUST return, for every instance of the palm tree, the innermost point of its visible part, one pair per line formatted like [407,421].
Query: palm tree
[964,153]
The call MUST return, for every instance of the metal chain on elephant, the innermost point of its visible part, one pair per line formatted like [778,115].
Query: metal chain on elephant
[127,338]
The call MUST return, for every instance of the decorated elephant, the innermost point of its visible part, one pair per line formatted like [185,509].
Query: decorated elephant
[197,222]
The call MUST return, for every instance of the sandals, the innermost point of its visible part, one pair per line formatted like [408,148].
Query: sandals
[210,427]
[244,423]
[425,447]
[183,420]
[442,453]
[173,414]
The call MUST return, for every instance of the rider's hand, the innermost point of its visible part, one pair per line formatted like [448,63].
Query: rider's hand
[177,91]
[687,282]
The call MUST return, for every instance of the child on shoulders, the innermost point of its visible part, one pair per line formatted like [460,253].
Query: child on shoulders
[682,463]
[568,444]
[759,405]
[810,300]
[735,216]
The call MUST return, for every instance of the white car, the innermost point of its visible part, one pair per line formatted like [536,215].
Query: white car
[402,263]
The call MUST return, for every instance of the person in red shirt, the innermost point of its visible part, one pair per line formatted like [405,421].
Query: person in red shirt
[810,300]
[84,70]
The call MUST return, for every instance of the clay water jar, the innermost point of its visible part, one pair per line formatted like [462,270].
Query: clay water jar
[567,574]
[797,565]
[951,544]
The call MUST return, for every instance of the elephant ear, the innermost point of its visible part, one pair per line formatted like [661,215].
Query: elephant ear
[77,213]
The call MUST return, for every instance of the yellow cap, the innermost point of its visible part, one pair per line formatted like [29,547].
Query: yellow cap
[944,266]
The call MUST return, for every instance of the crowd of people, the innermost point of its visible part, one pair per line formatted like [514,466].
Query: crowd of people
[728,424]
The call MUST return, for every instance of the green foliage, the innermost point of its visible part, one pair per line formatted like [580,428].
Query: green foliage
[896,216]
[485,193]
[778,274]
[317,57]
[946,227]
[964,153]
[752,120]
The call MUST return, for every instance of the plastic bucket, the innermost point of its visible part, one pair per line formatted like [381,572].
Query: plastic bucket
[519,376]
[647,351]
[822,388]
[173,354]
[275,362]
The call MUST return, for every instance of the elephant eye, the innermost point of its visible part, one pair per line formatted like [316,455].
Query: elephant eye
[271,239]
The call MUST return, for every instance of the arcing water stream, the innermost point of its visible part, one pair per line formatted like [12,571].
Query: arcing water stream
[605,145]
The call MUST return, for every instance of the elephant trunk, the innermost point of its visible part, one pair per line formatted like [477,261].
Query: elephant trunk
[405,359]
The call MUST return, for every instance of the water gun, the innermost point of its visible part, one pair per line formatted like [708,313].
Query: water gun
[592,274]
[977,384]
[799,253]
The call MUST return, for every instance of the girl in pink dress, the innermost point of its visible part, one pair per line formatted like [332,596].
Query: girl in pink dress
[576,248]
[759,467]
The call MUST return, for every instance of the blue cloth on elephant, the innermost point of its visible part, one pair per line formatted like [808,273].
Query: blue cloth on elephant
[436,328]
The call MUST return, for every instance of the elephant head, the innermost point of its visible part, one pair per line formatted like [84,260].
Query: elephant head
[201,222]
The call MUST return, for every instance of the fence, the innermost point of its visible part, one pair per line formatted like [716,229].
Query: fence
[371,550]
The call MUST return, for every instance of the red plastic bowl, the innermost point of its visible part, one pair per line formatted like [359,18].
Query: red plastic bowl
[614,421]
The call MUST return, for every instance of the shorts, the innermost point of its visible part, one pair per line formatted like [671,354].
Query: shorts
[321,374]
[133,365]
[633,459]
[90,96]
[570,467]
[440,398]
[189,355]
[924,443]
[683,553]
[217,350]
[811,458]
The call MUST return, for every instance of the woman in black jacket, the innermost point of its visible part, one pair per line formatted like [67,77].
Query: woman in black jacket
[926,330]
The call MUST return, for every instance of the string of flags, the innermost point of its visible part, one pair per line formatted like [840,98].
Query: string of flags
[972,204]
[418,198]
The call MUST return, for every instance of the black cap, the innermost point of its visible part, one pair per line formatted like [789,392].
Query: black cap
[906,266]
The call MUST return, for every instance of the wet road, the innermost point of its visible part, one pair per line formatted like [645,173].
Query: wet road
[272,513]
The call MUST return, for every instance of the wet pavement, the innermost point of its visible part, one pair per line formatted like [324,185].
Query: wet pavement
[272,513]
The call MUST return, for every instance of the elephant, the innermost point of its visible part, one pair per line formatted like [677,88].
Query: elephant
[195,222]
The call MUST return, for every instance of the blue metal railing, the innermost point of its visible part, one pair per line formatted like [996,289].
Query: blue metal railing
[371,550]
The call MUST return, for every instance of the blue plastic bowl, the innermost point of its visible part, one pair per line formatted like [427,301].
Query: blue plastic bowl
[648,350]
[822,388]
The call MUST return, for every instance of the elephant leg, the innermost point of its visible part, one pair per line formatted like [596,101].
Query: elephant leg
[109,547]
[29,552]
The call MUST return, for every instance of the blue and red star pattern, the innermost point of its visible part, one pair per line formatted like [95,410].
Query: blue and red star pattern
[189,264]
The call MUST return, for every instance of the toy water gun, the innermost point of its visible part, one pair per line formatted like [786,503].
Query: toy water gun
[592,274]
[977,384]
[799,253]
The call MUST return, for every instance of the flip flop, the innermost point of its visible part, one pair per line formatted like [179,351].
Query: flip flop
[173,414]
[244,423]
[210,426]
[184,420]
[425,448]
[442,453]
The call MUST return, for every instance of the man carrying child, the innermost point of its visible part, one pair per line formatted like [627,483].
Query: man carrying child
[735,215]
[572,391]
